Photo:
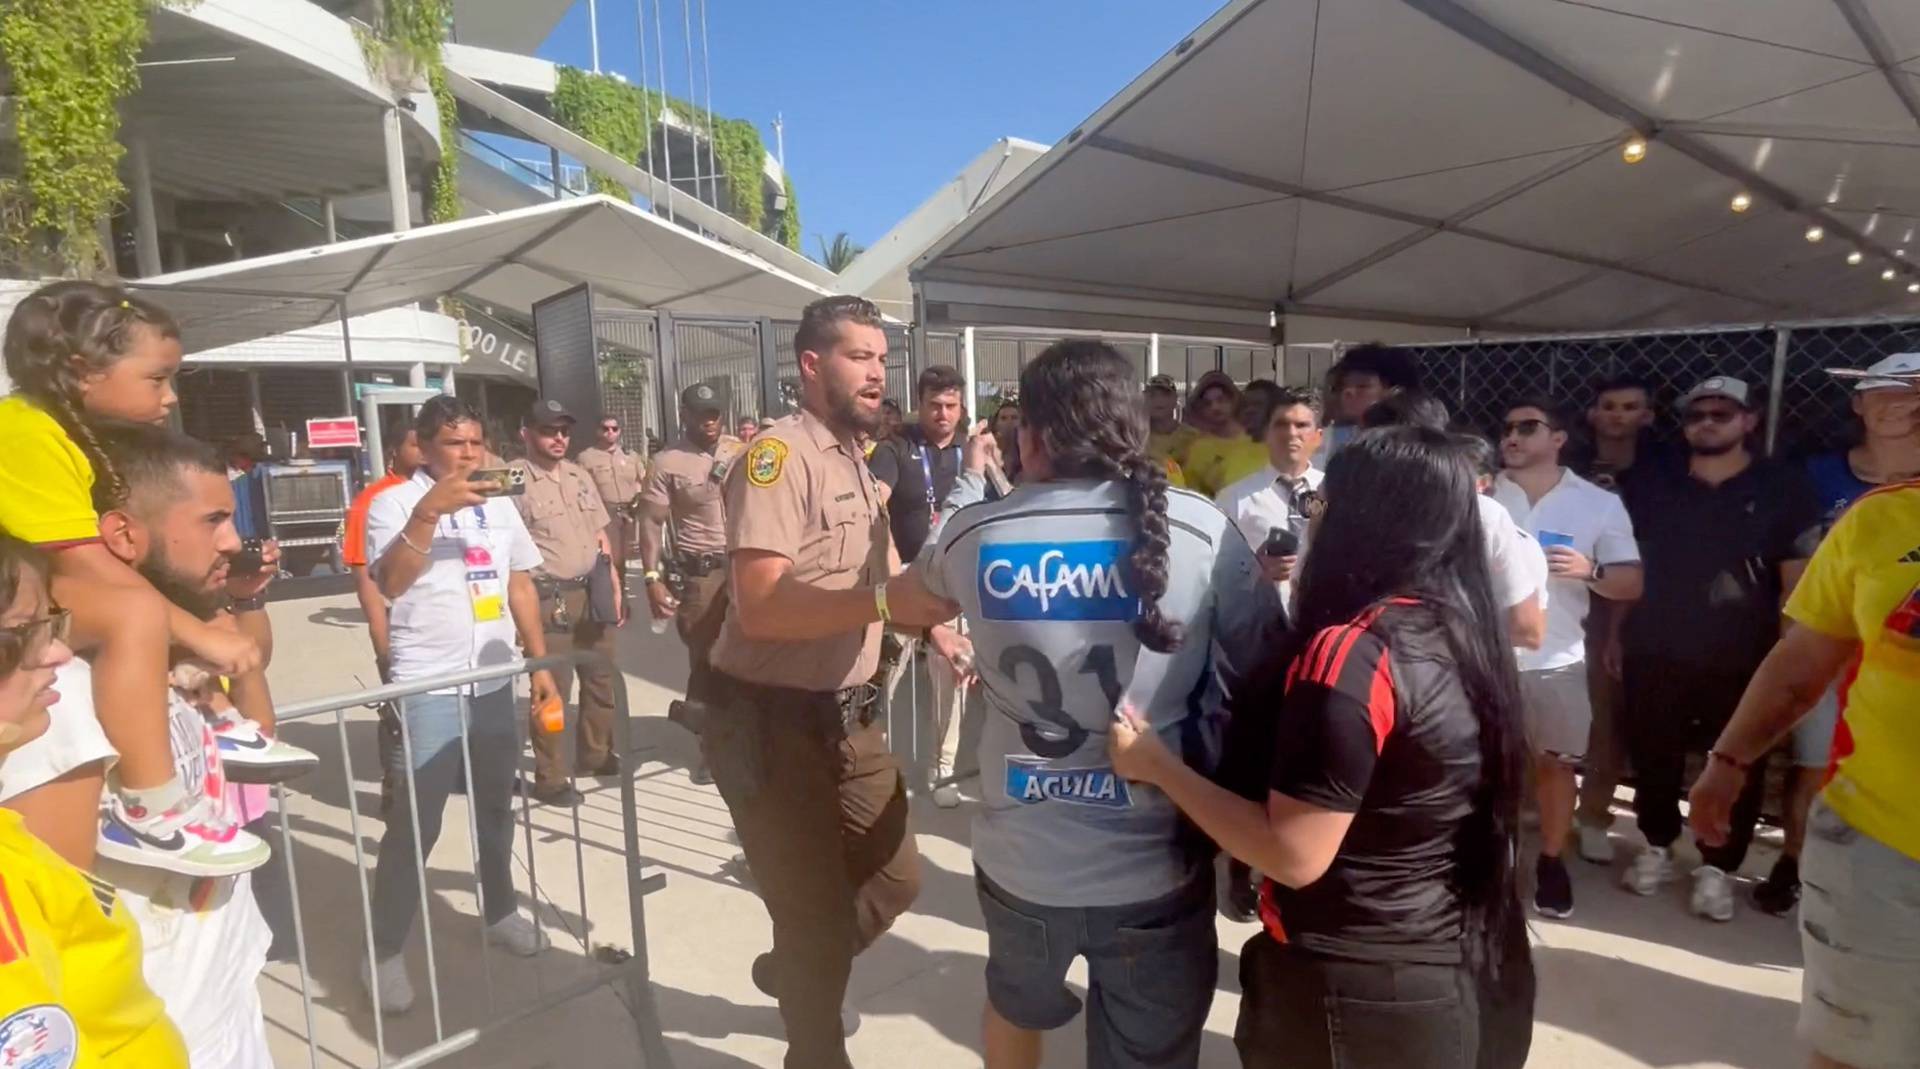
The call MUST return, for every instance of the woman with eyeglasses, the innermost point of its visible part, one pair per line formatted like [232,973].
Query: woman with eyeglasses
[71,992]
[1387,827]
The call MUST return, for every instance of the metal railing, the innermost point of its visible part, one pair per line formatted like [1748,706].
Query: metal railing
[629,971]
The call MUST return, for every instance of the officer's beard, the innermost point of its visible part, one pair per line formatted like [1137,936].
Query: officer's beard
[847,415]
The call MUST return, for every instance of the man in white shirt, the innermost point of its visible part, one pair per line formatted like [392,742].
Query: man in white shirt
[1590,549]
[1270,506]
[204,939]
[457,567]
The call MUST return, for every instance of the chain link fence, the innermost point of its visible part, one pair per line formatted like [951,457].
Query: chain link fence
[1808,410]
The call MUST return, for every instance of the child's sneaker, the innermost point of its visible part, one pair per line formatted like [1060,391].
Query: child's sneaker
[250,755]
[188,839]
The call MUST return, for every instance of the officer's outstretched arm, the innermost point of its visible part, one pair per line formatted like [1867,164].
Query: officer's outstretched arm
[773,606]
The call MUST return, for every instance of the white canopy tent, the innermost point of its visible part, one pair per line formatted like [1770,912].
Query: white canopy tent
[1459,166]
[630,257]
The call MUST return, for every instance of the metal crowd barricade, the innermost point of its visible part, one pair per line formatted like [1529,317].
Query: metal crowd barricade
[622,970]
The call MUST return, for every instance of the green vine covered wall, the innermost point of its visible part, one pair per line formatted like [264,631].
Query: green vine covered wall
[416,31]
[619,117]
[786,229]
[608,112]
[71,65]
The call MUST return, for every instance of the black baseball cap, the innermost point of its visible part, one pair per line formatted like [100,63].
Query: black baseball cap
[700,396]
[547,412]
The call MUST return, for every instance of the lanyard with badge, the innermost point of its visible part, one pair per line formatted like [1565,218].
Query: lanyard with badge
[926,468]
[485,590]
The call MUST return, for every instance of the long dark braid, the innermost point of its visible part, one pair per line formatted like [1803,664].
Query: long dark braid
[63,332]
[1080,399]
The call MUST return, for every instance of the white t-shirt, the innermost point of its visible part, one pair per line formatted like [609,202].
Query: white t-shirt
[1597,523]
[1516,561]
[1260,502]
[433,627]
[73,740]
[203,941]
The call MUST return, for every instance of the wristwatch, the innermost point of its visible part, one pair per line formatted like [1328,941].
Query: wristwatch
[652,575]
[253,604]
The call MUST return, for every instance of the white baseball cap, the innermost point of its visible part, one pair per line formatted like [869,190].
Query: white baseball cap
[1901,371]
[1726,386]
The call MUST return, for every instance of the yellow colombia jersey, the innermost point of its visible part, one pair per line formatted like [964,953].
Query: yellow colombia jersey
[1864,584]
[1172,445]
[71,993]
[46,485]
[1213,464]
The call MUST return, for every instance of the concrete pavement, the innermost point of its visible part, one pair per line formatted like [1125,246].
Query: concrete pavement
[1625,982]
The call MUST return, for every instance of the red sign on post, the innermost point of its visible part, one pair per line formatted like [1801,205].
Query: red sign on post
[333,433]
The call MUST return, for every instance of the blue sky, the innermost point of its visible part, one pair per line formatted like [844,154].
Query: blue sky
[886,101]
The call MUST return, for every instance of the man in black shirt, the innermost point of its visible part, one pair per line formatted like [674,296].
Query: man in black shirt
[1723,539]
[919,466]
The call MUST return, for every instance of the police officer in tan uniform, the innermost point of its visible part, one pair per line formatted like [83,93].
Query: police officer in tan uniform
[683,494]
[815,794]
[568,522]
[617,473]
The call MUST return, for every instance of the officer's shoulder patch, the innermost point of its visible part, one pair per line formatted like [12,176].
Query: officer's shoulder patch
[765,460]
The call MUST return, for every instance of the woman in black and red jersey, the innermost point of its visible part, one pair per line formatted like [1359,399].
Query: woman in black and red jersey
[1392,934]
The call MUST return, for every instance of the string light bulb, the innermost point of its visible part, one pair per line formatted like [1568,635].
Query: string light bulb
[1913,287]
[1854,258]
[1887,275]
[1741,201]
[1634,150]
[1815,233]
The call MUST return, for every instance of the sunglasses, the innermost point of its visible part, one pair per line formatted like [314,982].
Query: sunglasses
[1709,415]
[26,642]
[562,431]
[1525,428]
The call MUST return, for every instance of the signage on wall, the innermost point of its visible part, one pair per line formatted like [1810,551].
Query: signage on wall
[343,433]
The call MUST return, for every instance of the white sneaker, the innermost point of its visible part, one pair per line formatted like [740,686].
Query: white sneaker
[1651,867]
[251,755]
[191,839]
[1596,845]
[518,935]
[396,987]
[947,796]
[1712,893]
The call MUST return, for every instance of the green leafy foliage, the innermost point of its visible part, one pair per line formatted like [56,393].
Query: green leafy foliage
[620,117]
[608,112]
[840,252]
[71,65]
[416,30]
[786,229]
[741,157]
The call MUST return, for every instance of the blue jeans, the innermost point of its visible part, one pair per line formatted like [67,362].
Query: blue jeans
[1150,971]
[433,727]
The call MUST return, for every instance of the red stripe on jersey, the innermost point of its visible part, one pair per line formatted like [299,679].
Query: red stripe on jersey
[1349,635]
[13,944]
[1270,913]
[1842,734]
[1380,705]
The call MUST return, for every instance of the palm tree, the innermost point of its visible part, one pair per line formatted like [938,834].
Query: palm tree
[839,253]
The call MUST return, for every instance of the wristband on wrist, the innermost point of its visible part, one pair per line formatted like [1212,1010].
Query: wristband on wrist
[880,603]
[651,575]
[1727,758]
[408,542]
[252,604]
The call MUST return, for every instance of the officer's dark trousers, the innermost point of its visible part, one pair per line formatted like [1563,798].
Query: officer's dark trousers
[701,613]
[591,718]
[822,817]
[1675,709]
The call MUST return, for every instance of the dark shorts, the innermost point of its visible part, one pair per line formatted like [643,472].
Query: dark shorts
[1151,968]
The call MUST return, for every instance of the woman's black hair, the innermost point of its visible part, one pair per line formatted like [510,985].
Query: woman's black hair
[1080,399]
[65,331]
[1402,522]
[1411,407]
